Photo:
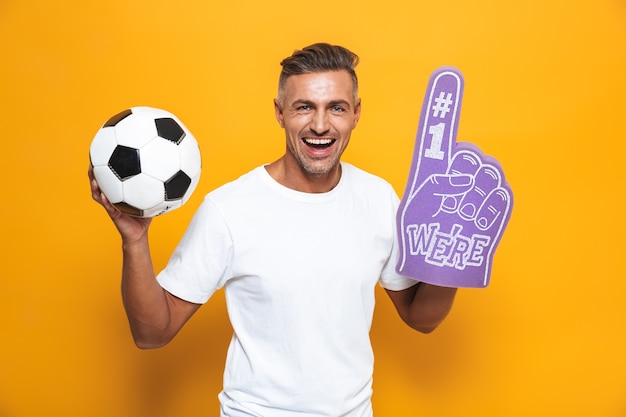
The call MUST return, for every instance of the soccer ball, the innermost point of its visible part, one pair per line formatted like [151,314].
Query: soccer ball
[146,161]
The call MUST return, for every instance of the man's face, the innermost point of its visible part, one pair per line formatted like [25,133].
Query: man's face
[318,112]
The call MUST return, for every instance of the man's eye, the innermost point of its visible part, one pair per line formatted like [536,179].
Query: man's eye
[303,108]
[338,109]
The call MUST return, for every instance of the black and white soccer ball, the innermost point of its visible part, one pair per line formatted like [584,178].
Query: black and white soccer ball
[146,161]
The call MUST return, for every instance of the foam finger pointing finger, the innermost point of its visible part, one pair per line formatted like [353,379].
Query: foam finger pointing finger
[439,122]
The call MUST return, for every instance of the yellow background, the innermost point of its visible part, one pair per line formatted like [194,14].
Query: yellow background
[545,87]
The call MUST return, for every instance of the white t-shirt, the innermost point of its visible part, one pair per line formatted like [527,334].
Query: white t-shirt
[299,272]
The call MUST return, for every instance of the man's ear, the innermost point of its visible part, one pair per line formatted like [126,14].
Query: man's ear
[278,111]
[357,111]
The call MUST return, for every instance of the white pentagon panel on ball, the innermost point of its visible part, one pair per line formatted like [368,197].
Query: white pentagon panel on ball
[102,146]
[190,160]
[160,159]
[143,192]
[110,185]
[135,130]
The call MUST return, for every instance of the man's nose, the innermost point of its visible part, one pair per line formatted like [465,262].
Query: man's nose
[320,123]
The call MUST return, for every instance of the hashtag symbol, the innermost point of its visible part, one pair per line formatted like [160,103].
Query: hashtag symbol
[442,105]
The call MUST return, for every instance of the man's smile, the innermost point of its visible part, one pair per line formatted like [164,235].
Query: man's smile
[319,143]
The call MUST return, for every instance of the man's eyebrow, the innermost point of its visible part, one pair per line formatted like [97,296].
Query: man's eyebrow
[310,103]
[341,102]
[300,102]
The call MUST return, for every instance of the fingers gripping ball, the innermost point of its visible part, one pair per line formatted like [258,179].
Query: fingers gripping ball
[457,203]
[146,161]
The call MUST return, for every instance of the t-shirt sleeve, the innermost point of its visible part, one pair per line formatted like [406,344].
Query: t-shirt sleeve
[390,279]
[200,264]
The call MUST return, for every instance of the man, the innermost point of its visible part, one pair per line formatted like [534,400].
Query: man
[299,246]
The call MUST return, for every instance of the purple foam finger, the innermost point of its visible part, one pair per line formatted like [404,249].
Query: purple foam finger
[456,204]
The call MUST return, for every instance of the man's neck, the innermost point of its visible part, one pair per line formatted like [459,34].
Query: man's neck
[295,178]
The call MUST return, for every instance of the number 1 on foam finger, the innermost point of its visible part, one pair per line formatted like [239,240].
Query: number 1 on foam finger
[435,151]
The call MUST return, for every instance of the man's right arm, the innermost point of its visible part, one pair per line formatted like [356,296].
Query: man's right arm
[155,316]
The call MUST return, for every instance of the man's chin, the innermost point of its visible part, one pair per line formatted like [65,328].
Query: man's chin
[320,168]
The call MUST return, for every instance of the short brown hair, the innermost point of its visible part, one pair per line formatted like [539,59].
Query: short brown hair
[319,57]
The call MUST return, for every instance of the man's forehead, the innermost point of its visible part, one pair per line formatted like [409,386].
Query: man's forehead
[332,85]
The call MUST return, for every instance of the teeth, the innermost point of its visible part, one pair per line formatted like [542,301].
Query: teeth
[319,141]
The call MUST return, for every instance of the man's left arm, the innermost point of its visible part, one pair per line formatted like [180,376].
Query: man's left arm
[423,306]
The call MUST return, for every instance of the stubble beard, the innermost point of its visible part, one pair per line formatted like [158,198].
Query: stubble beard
[316,167]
